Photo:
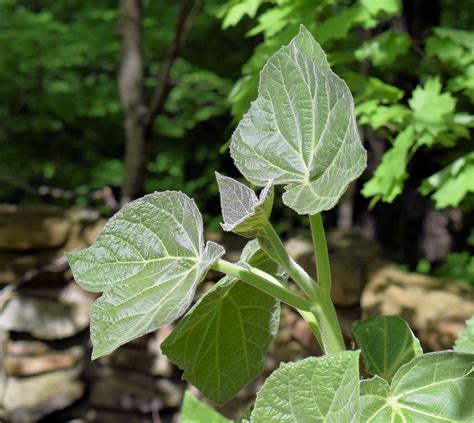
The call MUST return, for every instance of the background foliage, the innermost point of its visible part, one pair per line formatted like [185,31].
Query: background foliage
[410,65]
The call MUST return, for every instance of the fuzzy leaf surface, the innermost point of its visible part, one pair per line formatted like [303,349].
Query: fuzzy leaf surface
[387,343]
[243,212]
[432,388]
[324,389]
[465,341]
[301,131]
[222,341]
[195,411]
[147,261]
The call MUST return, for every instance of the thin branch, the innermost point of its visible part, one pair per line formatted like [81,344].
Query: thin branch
[163,86]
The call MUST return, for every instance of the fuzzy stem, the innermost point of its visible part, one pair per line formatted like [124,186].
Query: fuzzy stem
[271,243]
[323,267]
[264,282]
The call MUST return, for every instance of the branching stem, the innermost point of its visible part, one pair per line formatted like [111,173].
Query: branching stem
[271,243]
[264,282]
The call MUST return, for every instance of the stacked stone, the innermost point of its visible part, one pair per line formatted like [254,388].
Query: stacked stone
[46,370]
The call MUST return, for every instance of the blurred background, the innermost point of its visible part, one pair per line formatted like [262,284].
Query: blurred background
[104,101]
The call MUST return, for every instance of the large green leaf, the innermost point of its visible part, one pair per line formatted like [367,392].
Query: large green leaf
[436,387]
[147,260]
[194,411]
[324,389]
[387,343]
[243,212]
[221,342]
[301,130]
[465,341]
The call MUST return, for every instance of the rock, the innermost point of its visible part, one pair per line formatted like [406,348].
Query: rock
[32,227]
[91,231]
[132,391]
[27,399]
[434,308]
[56,315]
[353,259]
[38,358]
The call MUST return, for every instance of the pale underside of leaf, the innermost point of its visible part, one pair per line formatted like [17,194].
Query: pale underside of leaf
[148,261]
[243,212]
[222,341]
[436,387]
[324,389]
[301,130]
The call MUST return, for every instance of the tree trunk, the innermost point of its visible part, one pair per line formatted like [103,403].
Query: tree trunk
[138,116]
[132,97]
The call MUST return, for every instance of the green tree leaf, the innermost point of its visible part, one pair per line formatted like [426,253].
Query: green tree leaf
[451,184]
[242,211]
[390,175]
[324,389]
[222,341]
[147,260]
[385,48]
[195,411]
[465,341]
[432,110]
[301,130]
[387,343]
[435,387]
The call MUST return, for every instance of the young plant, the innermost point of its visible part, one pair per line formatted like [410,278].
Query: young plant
[150,257]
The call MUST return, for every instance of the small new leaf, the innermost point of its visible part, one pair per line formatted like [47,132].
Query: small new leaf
[243,212]
[195,411]
[387,343]
[147,260]
[222,341]
[301,131]
[465,341]
[324,389]
[436,387]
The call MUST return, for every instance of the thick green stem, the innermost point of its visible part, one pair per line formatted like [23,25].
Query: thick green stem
[263,281]
[331,334]
[324,311]
[275,249]
[323,267]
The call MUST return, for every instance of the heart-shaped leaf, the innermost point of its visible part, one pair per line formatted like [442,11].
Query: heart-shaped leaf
[465,341]
[324,389]
[195,411]
[387,343]
[233,323]
[243,212]
[147,260]
[301,130]
[436,387]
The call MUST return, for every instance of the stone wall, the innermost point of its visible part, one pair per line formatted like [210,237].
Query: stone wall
[45,350]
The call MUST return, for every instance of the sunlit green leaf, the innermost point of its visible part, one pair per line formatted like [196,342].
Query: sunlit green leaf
[432,110]
[450,185]
[432,388]
[465,341]
[385,48]
[301,130]
[147,260]
[233,323]
[195,411]
[387,343]
[324,389]
[390,175]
